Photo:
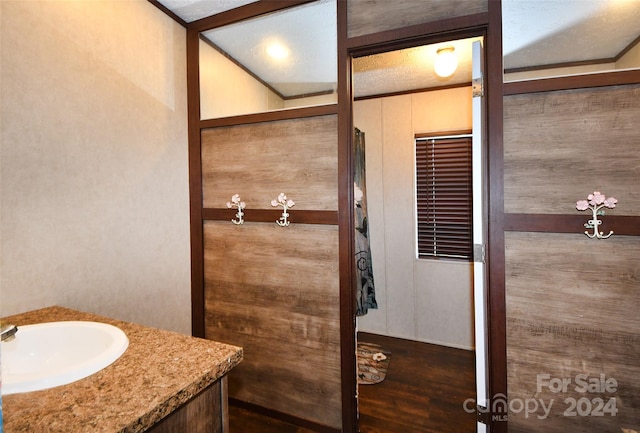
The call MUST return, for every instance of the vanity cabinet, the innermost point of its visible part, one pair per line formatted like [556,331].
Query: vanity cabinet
[205,413]
[165,382]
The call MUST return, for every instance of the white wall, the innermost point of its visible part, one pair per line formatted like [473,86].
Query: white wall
[423,300]
[94,169]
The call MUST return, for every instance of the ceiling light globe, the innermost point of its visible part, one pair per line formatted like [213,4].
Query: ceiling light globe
[446,62]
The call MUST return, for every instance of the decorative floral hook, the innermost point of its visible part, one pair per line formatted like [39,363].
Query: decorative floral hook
[286,204]
[596,202]
[236,202]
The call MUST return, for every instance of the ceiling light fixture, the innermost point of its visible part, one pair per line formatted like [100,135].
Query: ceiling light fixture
[278,51]
[446,62]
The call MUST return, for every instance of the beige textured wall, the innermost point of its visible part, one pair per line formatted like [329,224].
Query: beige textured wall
[631,59]
[227,90]
[422,300]
[94,187]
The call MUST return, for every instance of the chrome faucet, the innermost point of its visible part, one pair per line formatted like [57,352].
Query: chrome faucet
[8,332]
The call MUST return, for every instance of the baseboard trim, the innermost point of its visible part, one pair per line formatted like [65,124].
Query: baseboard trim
[281,416]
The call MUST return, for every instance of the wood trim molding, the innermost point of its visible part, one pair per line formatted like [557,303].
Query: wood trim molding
[559,65]
[437,134]
[409,92]
[625,225]
[195,186]
[170,13]
[496,298]
[292,113]
[243,12]
[572,82]
[346,229]
[327,217]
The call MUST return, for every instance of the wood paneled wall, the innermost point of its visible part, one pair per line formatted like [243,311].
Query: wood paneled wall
[572,302]
[275,290]
[572,309]
[258,161]
[373,16]
[561,146]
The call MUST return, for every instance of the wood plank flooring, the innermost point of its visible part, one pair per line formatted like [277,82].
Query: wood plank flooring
[423,392]
[245,421]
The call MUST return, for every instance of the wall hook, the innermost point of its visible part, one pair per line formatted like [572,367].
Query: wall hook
[286,204]
[236,202]
[596,202]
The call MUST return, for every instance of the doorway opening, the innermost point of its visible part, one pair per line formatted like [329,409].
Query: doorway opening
[424,321]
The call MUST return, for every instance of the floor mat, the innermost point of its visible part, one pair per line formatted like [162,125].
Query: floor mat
[373,362]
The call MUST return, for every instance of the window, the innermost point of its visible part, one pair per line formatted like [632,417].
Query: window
[444,200]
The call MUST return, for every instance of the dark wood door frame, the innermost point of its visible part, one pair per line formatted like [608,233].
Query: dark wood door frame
[346,229]
[488,25]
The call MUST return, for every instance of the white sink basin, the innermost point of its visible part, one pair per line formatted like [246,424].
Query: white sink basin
[57,353]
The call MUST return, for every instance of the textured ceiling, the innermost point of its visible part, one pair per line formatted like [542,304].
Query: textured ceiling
[308,32]
[409,69]
[536,32]
[544,32]
[192,10]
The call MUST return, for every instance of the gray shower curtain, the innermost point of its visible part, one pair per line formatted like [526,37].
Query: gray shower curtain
[365,291]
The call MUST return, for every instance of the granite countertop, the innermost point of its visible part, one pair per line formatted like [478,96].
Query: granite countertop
[159,371]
